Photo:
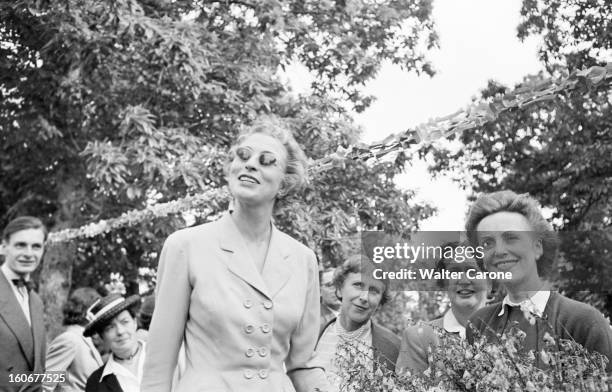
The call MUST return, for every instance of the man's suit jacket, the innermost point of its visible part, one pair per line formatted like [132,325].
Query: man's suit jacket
[243,330]
[74,353]
[386,344]
[22,348]
[108,384]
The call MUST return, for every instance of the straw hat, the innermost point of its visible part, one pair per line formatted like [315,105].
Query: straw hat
[105,309]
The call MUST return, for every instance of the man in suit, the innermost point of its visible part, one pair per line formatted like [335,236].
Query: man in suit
[22,330]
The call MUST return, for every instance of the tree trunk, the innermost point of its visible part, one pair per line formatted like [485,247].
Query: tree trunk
[55,278]
[54,284]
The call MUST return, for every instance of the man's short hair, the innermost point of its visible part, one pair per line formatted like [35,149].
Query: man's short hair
[23,223]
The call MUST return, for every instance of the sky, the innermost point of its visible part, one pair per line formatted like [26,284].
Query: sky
[477,43]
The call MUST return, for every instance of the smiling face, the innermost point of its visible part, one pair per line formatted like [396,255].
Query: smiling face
[23,251]
[120,334]
[469,294]
[257,169]
[360,299]
[510,245]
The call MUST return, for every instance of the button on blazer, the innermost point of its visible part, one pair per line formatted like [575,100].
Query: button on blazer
[243,330]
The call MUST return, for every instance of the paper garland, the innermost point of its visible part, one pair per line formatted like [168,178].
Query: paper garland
[471,117]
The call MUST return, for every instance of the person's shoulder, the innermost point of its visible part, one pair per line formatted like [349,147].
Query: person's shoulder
[570,308]
[296,248]
[67,336]
[193,232]
[386,333]
[484,314]
[436,323]
[293,243]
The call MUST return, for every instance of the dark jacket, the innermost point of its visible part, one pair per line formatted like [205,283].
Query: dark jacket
[386,344]
[108,384]
[563,318]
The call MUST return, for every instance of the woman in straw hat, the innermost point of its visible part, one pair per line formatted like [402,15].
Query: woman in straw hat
[113,319]
[241,294]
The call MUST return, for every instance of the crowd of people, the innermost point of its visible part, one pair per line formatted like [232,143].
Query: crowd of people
[242,306]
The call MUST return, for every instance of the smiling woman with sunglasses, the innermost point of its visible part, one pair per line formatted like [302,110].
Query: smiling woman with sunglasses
[240,294]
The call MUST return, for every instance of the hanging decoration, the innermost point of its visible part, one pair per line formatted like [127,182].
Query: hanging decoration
[209,199]
[472,117]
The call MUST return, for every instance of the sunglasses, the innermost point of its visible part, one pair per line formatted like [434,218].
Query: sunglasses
[265,158]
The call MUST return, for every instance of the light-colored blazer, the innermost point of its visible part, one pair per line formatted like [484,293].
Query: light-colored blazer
[74,353]
[241,328]
[22,347]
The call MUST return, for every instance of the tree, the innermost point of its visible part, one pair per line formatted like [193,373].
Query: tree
[558,151]
[576,34]
[112,106]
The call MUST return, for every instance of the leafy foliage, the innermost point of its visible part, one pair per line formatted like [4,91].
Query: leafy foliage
[503,365]
[457,366]
[575,33]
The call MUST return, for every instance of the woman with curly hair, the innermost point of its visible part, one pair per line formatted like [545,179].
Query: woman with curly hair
[516,238]
[360,297]
[241,294]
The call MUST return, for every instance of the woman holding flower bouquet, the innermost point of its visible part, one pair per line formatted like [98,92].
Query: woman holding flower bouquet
[517,239]
[466,296]
[240,294]
[353,339]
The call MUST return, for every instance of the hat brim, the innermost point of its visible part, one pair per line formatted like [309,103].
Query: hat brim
[99,322]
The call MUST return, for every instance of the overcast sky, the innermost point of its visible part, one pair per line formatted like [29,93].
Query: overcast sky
[477,43]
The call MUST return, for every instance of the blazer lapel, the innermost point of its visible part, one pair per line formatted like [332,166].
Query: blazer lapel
[238,259]
[13,316]
[277,267]
[38,329]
